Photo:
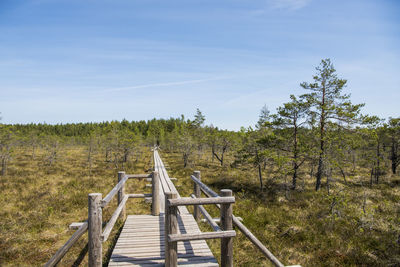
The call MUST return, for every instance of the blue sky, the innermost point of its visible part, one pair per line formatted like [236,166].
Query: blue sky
[86,60]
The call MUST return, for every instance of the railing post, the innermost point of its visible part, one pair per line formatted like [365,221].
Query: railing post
[171,227]
[197,193]
[155,206]
[95,227]
[121,195]
[226,224]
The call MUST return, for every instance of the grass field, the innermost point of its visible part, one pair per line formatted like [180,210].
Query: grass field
[354,225]
[40,201]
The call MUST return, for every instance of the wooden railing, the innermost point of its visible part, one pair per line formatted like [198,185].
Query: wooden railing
[94,224]
[199,187]
[226,232]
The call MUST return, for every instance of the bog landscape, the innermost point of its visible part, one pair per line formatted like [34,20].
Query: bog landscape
[316,181]
[199,133]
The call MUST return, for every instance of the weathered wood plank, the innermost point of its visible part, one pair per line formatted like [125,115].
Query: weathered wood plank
[144,254]
[186,201]
[76,225]
[139,195]
[201,236]
[142,243]
[160,259]
[140,176]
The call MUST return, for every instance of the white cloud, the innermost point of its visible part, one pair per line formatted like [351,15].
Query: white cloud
[288,4]
[162,84]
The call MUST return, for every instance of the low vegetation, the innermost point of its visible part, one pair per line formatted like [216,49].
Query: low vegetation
[351,225]
[39,201]
[317,181]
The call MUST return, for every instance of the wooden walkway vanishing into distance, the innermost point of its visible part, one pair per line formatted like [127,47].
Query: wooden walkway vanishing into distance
[142,240]
[170,236]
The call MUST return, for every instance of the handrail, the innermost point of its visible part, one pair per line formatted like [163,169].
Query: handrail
[201,236]
[210,193]
[186,201]
[64,249]
[113,219]
[171,226]
[207,216]
[140,176]
[113,191]
[139,195]
[118,186]
[96,204]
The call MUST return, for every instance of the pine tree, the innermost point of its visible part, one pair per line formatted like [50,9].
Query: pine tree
[328,105]
[290,117]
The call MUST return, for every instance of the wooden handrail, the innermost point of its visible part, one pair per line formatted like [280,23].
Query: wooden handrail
[186,201]
[113,219]
[113,192]
[201,236]
[139,195]
[226,233]
[207,216]
[64,249]
[140,176]
[210,193]
[94,223]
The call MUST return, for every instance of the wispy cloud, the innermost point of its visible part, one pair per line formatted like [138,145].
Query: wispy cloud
[165,84]
[289,4]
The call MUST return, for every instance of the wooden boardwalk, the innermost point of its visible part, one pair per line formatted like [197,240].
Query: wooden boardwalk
[166,184]
[142,240]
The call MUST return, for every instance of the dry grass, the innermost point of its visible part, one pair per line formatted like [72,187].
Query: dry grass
[353,225]
[39,202]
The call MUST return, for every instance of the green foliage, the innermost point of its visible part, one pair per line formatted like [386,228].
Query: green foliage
[328,106]
[199,118]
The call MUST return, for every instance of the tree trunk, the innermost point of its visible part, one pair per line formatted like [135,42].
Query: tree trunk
[343,174]
[394,157]
[259,170]
[294,179]
[260,177]
[319,172]
[370,180]
[185,159]
[295,156]
[212,152]
[322,143]
[378,162]
[220,159]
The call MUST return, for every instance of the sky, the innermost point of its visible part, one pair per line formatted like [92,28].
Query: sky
[67,61]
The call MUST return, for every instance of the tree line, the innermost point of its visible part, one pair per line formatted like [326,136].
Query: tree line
[320,132]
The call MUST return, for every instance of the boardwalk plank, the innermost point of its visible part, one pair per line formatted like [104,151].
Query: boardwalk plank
[141,241]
